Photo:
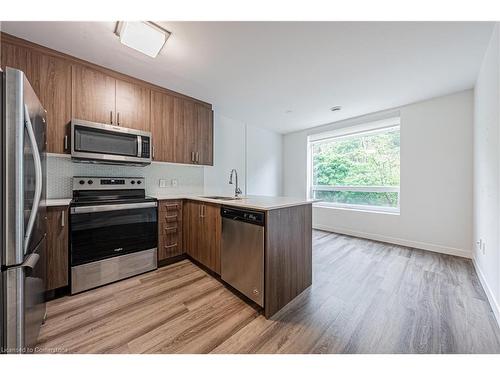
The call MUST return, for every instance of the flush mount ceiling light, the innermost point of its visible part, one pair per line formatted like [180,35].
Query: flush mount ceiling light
[143,36]
[336,108]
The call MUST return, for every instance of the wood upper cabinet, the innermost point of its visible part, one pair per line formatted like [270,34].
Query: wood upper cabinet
[50,77]
[57,247]
[93,95]
[55,94]
[163,126]
[24,59]
[186,142]
[182,127]
[194,133]
[132,106]
[205,134]
[202,233]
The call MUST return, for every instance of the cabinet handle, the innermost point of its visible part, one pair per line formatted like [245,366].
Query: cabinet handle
[169,246]
[118,118]
[66,143]
[153,152]
[62,219]
[192,156]
[111,117]
[174,205]
[197,157]
[202,210]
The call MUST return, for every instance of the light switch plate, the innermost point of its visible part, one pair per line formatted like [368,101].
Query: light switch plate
[175,183]
[163,183]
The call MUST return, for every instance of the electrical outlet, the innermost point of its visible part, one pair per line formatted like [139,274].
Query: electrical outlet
[175,183]
[163,183]
[483,247]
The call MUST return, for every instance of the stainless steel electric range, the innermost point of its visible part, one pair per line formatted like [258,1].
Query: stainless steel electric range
[113,231]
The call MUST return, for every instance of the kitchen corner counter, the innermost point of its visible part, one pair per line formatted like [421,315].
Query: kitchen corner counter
[255,202]
[57,202]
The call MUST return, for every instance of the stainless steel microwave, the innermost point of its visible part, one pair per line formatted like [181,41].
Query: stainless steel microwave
[108,144]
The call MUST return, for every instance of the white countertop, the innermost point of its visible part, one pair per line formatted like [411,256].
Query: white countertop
[256,202]
[57,202]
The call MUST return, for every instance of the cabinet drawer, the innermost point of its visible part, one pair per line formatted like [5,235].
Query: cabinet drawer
[170,206]
[169,229]
[169,217]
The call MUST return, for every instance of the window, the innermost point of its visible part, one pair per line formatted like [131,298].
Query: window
[357,168]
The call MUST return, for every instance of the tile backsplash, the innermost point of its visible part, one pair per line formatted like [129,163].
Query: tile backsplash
[61,169]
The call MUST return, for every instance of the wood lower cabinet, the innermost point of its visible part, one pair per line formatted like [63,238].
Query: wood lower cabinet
[202,233]
[57,247]
[170,229]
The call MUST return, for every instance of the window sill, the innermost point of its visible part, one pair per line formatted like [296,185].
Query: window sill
[365,209]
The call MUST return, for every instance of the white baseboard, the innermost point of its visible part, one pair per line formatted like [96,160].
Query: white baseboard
[495,307]
[399,241]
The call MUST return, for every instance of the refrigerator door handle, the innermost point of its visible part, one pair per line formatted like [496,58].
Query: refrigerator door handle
[38,178]
[31,261]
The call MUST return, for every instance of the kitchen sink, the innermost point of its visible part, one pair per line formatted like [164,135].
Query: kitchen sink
[223,198]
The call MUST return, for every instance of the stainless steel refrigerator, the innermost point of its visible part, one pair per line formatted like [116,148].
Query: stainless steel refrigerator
[23,219]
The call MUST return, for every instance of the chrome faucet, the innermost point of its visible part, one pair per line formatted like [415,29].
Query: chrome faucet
[237,190]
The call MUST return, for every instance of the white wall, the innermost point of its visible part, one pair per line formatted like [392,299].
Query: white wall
[264,162]
[256,154]
[487,172]
[436,179]
[229,153]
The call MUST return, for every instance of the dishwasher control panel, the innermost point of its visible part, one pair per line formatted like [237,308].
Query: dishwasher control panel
[251,217]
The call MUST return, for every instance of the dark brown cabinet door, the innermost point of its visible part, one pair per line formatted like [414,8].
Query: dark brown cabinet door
[169,229]
[24,59]
[211,236]
[93,95]
[205,133]
[202,233]
[186,137]
[57,247]
[55,95]
[192,228]
[132,106]
[163,126]
[50,77]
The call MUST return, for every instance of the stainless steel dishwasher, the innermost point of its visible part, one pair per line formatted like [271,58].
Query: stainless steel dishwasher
[242,254]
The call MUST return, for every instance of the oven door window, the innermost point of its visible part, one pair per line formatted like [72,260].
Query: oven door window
[100,141]
[101,235]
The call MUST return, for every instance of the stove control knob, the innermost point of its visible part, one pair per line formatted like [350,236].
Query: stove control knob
[90,182]
[81,182]
[139,182]
[132,182]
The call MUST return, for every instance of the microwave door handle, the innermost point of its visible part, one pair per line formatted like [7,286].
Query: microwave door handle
[139,146]
[38,177]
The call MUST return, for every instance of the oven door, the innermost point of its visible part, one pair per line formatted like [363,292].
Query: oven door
[103,143]
[104,231]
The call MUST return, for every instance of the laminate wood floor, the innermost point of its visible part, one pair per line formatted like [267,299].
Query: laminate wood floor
[366,297]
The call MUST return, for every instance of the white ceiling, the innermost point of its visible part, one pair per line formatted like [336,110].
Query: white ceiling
[257,71]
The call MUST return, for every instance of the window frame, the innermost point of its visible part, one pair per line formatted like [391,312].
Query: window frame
[348,132]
